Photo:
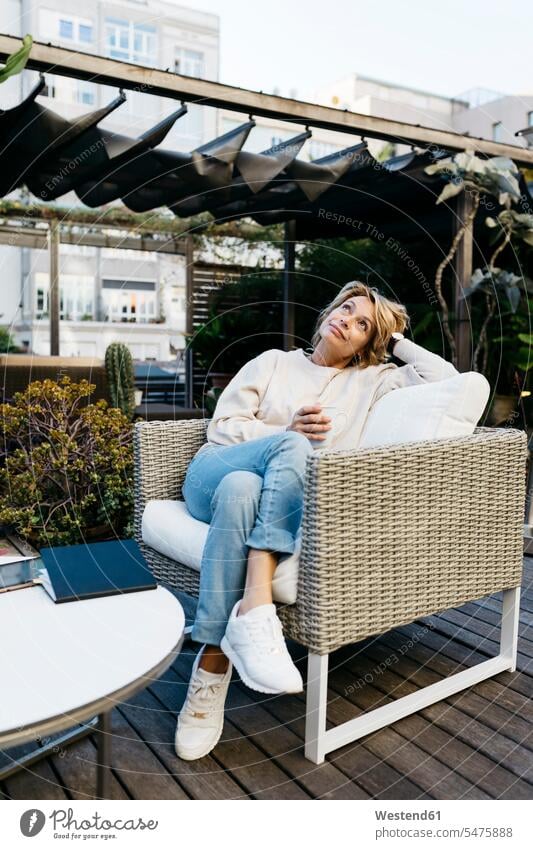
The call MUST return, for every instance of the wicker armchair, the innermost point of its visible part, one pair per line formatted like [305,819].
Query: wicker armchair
[389,535]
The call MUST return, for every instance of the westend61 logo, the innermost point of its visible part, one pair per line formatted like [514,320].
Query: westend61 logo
[65,825]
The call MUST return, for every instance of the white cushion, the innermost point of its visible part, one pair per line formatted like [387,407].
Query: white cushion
[444,408]
[168,527]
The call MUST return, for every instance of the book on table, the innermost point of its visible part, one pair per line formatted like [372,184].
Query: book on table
[77,572]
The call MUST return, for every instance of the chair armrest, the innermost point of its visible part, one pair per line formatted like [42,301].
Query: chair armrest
[396,533]
[162,453]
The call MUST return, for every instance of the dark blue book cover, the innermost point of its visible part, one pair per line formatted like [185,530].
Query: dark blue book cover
[90,570]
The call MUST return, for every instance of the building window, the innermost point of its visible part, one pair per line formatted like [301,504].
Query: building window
[129,300]
[530,119]
[54,26]
[76,296]
[189,63]
[131,42]
[85,33]
[66,29]
[85,93]
[497,131]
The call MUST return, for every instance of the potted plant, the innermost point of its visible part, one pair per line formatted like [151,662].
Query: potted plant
[66,466]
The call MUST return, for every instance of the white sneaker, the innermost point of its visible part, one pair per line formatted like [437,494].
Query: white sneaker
[201,718]
[255,645]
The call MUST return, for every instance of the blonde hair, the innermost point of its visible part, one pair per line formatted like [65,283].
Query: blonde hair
[390,317]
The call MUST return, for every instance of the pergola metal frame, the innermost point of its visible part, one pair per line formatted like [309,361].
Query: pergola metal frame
[98,69]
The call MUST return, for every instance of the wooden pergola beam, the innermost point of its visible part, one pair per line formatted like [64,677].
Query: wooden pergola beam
[30,237]
[99,69]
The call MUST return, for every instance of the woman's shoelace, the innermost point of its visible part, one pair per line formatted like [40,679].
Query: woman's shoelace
[267,634]
[200,695]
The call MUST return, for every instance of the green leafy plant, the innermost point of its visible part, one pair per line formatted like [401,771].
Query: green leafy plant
[16,62]
[493,281]
[66,466]
[120,377]
[6,344]
[497,176]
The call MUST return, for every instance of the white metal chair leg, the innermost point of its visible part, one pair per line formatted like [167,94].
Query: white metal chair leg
[509,629]
[316,705]
[318,741]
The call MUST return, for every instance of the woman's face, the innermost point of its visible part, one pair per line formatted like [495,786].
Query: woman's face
[349,327]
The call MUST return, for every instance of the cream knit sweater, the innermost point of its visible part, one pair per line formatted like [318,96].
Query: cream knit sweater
[263,396]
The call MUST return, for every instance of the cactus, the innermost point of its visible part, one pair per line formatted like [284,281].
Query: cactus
[120,377]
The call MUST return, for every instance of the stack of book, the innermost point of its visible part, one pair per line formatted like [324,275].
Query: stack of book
[16,561]
[75,572]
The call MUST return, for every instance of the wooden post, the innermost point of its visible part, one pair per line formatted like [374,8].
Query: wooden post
[53,291]
[462,274]
[288,286]
[189,303]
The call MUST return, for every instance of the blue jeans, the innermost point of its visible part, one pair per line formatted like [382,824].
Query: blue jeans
[251,494]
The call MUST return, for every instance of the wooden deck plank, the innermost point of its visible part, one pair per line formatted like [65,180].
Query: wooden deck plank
[514,682]
[491,689]
[472,640]
[420,674]
[135,765]
[75,764]
[432,776]
[134,762]
[37,781]
[278,741]
[493,607]
[149,715]
[471,624]
[491,777]
[493,744]
[358,764]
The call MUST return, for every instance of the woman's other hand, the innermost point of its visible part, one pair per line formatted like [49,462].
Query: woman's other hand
[310,421]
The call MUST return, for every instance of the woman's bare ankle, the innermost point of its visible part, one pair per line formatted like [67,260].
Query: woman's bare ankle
[213,660]
[253,600]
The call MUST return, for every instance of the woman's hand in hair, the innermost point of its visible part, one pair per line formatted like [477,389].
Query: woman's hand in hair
[311,422]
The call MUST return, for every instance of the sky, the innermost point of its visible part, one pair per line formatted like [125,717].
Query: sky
[446,48]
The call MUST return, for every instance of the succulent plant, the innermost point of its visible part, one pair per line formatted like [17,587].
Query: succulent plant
[120,377]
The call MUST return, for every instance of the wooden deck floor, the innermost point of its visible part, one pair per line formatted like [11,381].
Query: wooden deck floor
[477,744]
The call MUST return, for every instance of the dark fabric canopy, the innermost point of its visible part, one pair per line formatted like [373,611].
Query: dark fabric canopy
[347,193]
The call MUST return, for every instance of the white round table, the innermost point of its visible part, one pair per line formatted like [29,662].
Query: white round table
[62,664]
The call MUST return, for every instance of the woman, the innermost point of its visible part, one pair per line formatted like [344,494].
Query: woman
[247,482]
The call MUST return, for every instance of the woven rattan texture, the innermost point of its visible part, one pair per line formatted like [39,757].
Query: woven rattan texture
[388,534]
